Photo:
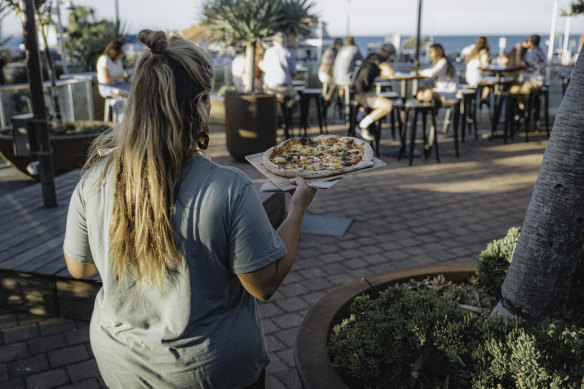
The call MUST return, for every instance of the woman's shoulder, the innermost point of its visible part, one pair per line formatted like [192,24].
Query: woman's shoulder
[215,171]
[102,60]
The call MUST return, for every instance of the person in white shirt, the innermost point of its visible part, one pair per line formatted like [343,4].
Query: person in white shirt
[279,67]
[111,74]
[325,71]
[346,62]
[478,58]
[238,71]
[444,74]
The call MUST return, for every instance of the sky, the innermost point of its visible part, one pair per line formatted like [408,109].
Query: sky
[367,17]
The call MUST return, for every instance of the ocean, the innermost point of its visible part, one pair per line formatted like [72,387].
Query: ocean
[455,43]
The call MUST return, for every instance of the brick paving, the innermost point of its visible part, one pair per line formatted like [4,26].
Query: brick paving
[403,217]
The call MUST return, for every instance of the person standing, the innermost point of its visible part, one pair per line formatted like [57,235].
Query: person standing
[346,62]
[373,66]
[183,245]
[238,71]
[325,71]
[279,67]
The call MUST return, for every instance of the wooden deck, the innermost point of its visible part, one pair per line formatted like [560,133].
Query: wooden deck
[33,274]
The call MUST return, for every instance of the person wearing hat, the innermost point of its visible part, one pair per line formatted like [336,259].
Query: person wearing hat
[373,66]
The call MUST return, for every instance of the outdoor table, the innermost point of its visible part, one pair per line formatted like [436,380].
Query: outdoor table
[500,82]
[403,78]
[382,84]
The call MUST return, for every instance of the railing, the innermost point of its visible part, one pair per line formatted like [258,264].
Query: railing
[75,100]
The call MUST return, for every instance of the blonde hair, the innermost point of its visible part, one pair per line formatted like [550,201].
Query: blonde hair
[482,44]
[164,117]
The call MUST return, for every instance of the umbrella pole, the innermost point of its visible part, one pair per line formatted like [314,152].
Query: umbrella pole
[417,61]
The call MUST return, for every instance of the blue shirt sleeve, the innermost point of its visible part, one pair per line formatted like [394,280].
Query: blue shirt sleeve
[253,242]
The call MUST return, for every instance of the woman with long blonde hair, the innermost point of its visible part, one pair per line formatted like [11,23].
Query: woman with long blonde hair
[181,244]
[479,57]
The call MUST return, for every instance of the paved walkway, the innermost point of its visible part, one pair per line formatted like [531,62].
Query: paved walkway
[403,216]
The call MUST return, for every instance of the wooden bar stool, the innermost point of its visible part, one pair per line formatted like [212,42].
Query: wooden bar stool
[305,96]
[468,112]
[453,107]
[423,109]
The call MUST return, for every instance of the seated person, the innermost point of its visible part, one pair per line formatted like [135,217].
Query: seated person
[325,71]
[532,61]
[373,66]
[110,72]
[444,74]
[479,57]
[279,67]
[533,64]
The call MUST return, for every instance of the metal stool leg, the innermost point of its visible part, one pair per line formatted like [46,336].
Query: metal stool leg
[413,136]
[433,113]
[319,104]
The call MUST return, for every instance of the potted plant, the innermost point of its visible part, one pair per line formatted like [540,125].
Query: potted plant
[437,333]
[69,146]
[251,117]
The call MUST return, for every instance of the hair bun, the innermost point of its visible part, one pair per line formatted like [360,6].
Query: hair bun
[155,40]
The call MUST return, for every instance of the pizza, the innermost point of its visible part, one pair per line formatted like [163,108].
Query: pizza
[323,156]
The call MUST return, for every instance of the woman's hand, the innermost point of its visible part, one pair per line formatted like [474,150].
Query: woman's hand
[303,194]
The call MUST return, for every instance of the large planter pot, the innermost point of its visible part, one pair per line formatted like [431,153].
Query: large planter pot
[250,124]
[69,151]
[312,359]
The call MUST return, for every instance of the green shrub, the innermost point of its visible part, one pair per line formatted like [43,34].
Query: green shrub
[495,259]
[417,338]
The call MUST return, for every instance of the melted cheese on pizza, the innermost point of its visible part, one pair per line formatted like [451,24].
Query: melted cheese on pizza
[328,154]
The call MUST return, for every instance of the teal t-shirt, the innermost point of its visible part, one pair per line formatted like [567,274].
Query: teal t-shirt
[203,330]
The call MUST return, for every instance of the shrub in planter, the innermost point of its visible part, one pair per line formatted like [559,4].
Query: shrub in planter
[417,338]
[495,259]
[435,333]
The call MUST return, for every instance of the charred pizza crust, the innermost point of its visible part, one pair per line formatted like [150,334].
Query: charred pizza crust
[322,156]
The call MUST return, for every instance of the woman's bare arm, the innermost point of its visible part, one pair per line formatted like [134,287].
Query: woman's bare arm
[78,269]
[264,282]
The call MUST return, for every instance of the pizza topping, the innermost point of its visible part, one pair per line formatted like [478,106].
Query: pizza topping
[321,156]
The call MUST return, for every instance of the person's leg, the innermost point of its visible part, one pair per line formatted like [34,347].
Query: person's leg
[380,107]
[424,94]
[332,88]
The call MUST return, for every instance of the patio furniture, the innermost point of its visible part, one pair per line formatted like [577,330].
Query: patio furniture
[430,140]
[305,96]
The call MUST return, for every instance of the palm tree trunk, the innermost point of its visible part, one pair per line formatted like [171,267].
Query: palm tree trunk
[539,278]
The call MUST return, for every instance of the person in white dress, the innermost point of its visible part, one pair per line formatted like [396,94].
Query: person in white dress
[111,74]
[479,57]
[444,74]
